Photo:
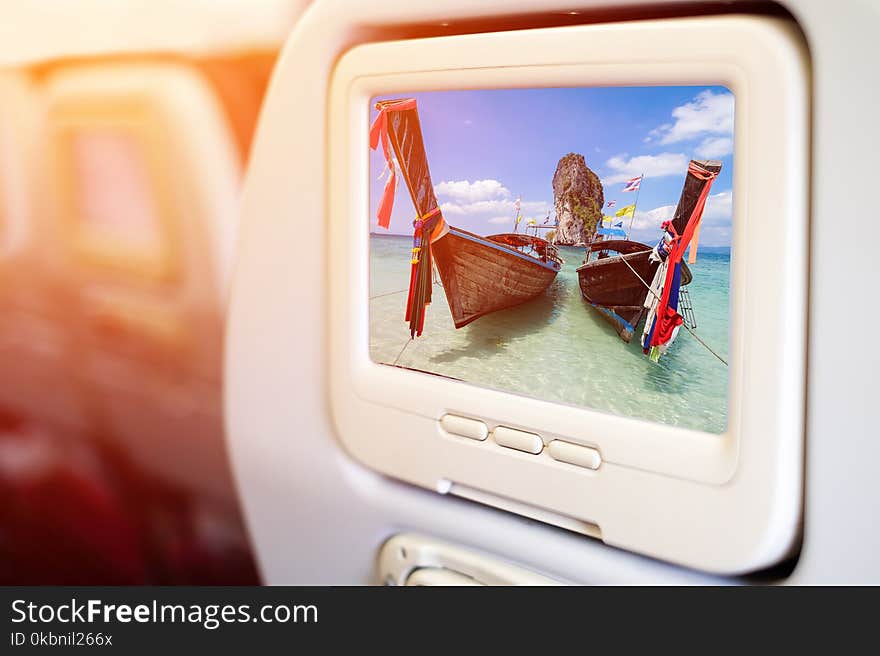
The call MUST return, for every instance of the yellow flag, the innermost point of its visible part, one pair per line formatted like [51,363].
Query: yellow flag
[531,222]
[625,211]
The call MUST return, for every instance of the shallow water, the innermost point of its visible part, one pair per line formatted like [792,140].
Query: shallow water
[558,348]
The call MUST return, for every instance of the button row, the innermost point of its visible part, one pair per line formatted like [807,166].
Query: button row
[464,427]
[519,440]
[573,454]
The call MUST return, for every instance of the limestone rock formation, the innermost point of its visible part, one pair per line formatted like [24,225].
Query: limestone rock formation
[578,198]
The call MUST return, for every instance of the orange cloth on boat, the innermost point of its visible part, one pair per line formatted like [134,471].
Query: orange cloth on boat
[379,132]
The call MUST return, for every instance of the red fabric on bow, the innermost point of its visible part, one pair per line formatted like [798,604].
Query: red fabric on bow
[379,132]
[666,319]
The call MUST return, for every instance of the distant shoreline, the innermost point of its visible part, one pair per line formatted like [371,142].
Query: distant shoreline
[715,250]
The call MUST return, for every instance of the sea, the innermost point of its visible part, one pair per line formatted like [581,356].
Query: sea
[558,348]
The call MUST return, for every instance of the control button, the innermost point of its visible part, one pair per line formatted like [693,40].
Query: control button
[519,440]
[464,427]
[575,454]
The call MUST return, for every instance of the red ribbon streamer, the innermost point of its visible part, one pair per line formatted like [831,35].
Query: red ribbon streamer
[421,257]
[379,132]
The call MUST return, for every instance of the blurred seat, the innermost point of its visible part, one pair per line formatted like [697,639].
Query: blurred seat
[121,156]
[32,333]
[139,206]
[120,185]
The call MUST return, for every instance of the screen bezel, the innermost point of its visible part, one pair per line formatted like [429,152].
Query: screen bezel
[761,61]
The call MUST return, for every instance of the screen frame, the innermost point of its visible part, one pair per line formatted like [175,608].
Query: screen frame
[745,476]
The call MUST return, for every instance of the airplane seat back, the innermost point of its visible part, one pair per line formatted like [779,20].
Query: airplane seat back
[112,332]
[30,335]
[138,215]
[20,112]
[240,81]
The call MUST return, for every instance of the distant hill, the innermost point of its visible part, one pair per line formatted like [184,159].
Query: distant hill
[718,250]
[578,198]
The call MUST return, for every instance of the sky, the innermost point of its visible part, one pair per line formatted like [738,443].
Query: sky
[485,148]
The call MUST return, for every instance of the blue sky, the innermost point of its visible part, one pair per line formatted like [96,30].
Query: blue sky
[486,148]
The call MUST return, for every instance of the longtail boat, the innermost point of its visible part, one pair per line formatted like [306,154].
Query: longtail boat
[616,273]
[479,274]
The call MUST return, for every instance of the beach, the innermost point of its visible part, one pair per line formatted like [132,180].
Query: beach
[560,349]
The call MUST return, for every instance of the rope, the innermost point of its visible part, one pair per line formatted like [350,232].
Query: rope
[686,327]
[401,291]
[401,351]
[707,347]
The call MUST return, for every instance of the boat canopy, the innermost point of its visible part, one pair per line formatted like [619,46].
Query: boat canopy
[543,248]
[517,240]
[623,246]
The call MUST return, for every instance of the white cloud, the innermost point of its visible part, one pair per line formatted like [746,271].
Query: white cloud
[485,198]
[719,209]
[478,207]
[654,166]
[497,207]
[464,191]
[653,218]
[708,113]
[714,147]
[717,216]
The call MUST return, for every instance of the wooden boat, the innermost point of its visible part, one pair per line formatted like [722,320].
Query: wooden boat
[479,274]
[615,282]
[484,274]
[615,273]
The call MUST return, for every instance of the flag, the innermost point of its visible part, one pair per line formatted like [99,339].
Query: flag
[611,232]
[695,242]
[633,184]
[629,210]
[519,216]
[531,222]
[611,203]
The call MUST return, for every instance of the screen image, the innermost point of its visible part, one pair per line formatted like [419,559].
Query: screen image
[572,245]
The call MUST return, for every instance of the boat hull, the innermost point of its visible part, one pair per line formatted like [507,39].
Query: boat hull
[480,276]
[616,290]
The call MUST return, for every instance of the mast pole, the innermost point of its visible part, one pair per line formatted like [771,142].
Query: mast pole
[516,214]
[635,205]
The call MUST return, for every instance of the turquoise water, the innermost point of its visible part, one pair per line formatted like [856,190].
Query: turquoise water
[558,348]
